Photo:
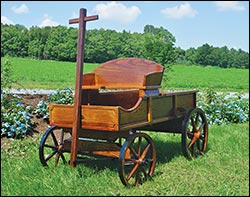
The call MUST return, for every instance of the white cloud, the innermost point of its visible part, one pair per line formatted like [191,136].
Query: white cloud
[47,21]
[117,12]
[229,5]
[6,21]
[22,9]
[178,12]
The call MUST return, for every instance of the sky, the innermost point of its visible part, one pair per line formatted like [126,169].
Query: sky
[192,23]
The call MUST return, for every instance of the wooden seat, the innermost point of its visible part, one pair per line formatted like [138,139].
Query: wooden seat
[125,73]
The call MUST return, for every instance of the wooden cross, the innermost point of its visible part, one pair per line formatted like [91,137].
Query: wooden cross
[78,85]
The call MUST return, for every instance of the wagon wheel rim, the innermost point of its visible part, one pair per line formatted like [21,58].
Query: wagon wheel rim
[137,160]
[52,147]
[194,134]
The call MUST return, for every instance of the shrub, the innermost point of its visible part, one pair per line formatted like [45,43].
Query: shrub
[224,108]
[6,73]
[64,96]
[15,117]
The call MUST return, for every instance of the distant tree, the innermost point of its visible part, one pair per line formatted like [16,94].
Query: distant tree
[239,58]
[37,40]
[159,45]
[203,55]
[180,56]
[14,40]
[96,46]
[190,55]
[61,44]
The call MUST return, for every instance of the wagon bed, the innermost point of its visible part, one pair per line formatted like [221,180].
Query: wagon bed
[115,117]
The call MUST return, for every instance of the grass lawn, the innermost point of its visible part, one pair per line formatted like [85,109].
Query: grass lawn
[222,171]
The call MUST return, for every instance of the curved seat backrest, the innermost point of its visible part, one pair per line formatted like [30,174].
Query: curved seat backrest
[129,73]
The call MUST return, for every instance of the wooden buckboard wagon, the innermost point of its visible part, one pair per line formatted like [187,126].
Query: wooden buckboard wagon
[113,105]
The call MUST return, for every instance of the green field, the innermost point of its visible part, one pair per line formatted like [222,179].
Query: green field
[222,171]
[36,74]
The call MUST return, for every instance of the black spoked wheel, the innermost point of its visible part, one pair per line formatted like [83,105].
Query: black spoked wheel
[51,146]
[194,134]
[137,159]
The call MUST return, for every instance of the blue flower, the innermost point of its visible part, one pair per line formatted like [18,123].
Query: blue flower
[10,134]
[3,130]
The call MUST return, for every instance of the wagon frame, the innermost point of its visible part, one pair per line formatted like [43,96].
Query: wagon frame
[112,106]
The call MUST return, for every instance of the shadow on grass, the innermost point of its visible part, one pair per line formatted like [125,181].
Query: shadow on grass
[165,152]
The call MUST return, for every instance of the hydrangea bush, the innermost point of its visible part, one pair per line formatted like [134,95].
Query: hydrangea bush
[15,117]
[224,108]
[64,96]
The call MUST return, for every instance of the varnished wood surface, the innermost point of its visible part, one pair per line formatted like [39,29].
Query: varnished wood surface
[92,147]
[146,111]
[125,73]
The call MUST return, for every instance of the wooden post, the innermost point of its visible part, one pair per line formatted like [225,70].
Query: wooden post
[78,84]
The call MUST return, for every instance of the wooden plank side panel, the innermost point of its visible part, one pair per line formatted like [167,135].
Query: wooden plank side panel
[162,106]
[93,117]
[185,102]
[137,115]
[61,115]
[100,118]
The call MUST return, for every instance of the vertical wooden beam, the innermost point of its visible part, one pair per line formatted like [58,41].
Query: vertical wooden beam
[78,89]
[78,84]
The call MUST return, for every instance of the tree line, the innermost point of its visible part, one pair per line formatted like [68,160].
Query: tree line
[156,44]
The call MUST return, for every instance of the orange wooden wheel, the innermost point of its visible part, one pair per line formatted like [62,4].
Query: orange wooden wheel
[137,159]
[194,134]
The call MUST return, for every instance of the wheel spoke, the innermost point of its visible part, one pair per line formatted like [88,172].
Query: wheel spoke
[190,134]
[193,124]
[139,146]
[196,118]
[134,152]
[132,171]
[54,138]
[144,152]
[137,177]
[143,170]
[57,158]
[61,137]
[198,145]
[50,155]
[63,158]
[191,142]
[201,127]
